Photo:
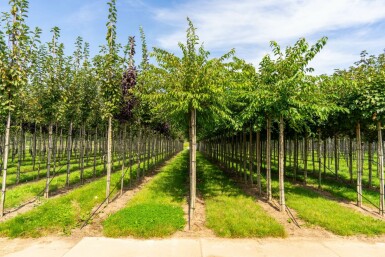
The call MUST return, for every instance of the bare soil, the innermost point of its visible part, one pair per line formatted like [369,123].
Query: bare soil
[198,222]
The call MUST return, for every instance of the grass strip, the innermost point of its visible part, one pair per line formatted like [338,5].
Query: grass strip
[156,210]
[318,210]
[229,211]
[61,214]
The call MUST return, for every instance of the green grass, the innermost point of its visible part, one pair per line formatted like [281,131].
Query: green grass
[61,214]
[230,212]
[145,220]
[156,210]
[23,192]
[317,210]
[26,192]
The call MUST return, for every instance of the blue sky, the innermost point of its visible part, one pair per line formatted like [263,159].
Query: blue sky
[246,25]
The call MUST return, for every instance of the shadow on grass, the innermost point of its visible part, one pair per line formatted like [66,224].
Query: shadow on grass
[212,182]
[172,183]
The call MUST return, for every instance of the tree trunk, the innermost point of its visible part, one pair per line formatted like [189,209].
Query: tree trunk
[123,159]
[82,146]
[40,151]
[281,166]
[336,157]
[351,160]
[295,156]
[312,154]
[380,156]
[5,163]
[46,194]
[258,153]
[95,151]
[268,160]
[34,149]
[20,153]
[359,165]
[69,151]
[244,150]
[192,164]
[54,151]
[109,156]
[319,159]
[370,156]
[306,145]
[138,149]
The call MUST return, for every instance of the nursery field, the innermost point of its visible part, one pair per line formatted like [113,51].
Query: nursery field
[186,144]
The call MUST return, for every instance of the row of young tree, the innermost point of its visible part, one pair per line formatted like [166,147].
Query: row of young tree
[49,99]
[282,92]
[188,94]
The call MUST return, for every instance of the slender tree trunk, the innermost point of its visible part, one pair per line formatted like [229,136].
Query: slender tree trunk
[109,157]
[251,155]
[34,149]
[312,153]
[20,153]
[244,149]
[325,155]
[69,151]
[306,145]
[380,156]
[46,194]
[359,165]
[138,149]
[258,153]
[336,158]
[268,160]
[82,146]
[192,163]
[40,151]
[370,156]
[281,164]
[295,156]
[54,146]
[59,154]
[123,159]
[351,159]
[95,151]
[319,159]
[5,163]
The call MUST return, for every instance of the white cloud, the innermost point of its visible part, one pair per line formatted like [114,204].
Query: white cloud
[224,24]
[88,13]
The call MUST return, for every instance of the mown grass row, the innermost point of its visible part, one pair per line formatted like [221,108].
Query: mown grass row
[61,214]
[229,211]
[156,211]
[339,188]
[316,209]
[28,174]
[25,192]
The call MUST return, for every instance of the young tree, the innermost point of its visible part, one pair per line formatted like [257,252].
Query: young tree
[181,87]
[109,76]
[288,94]
[13,71]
